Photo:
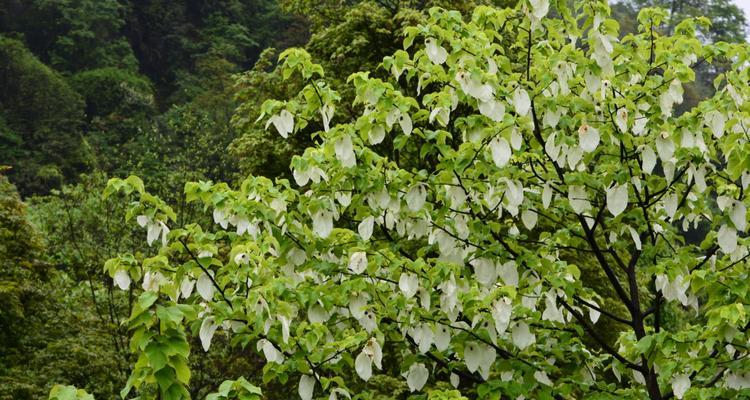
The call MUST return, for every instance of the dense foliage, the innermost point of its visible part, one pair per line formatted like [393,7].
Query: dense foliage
[443,225]
[93,89]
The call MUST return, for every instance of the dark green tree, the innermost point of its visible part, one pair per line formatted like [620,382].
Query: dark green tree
[48,331]
[41,121]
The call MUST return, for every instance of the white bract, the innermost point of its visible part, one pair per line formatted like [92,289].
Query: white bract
[416,377]
[435,52]
[283,122]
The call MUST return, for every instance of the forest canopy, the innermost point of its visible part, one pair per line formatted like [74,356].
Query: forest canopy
[373,199]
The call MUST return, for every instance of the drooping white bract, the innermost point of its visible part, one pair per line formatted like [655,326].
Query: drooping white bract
[727,238]
[283,122]
[284,321]
[365,228]
[715,121]
[621,120]
[738,215]
[317,314]
[493,109]
[479,357]
[153,229]
[501,312]
[578,199]
[680,385]
[546,195]
[417,376]
[363,366]
[521,101]
[416,197]
[588,138]
[500,149]
[376,134]
[186,287]
[306,387]
[208,328]
[671,202]
[322,223]
[508,273]
[409,284]
[474,87]
[435,52]
[665,146]
[484,271]
[539,9]
[542,378]
[737,380]
[551,311]
[152,281]
[594,312]
[673,289]
[617,198]
[529,218]
[423,336]
[440,114]
[670,97]
[270,352]
[522,336]
[404,121]
[370,354]
[358,262]
[516,139]
[649,159]
[357,305]
[345,151]
[205,286]
[326,112]
[122,279]
[441,337]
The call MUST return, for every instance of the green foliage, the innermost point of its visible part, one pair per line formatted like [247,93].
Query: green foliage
[19,247]
[42,116]
[113,91]
[60,392]
[346,38]
[727,21]
[240,389]
[72,35]
[150,88]
[444,222]
[48,327]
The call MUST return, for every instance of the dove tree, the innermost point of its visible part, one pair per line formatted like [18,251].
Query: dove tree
[447,235]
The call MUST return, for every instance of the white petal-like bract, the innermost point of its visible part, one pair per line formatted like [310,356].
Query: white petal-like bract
[365,228]
[588,138]
[408,283]
[617,198]
[522,336]
[416,377]
[521,101]
[435,52]
[205,287]
[363,366]
[306,387]
[727,238]
[208,328]
[501,152]
[680,385]
[358,262]
[122,279]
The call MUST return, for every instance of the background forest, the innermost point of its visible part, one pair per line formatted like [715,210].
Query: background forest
[168,90]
